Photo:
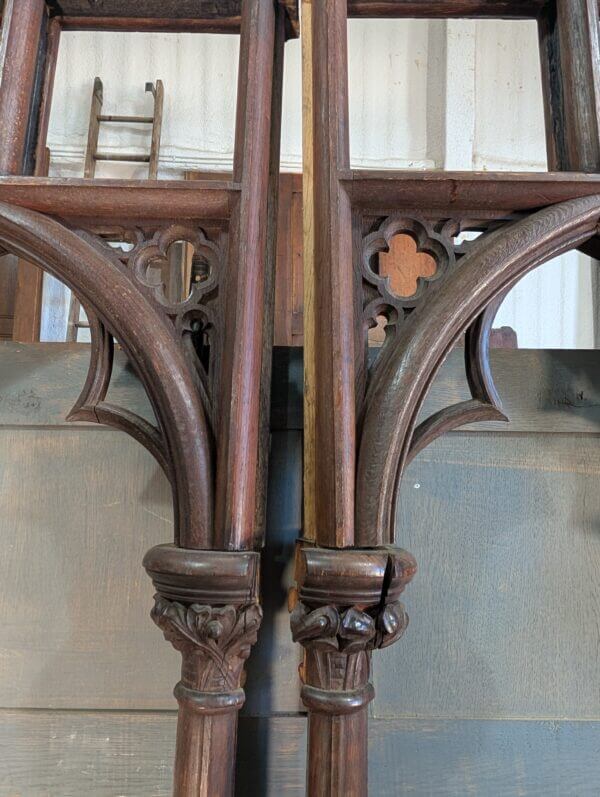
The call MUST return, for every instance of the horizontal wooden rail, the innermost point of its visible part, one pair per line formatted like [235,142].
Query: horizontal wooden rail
[135,120]
[499,9]
[152,24]
[118,200]
[485,191]
[122,157]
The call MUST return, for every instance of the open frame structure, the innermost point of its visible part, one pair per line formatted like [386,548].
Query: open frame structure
[362,424]
[204,361]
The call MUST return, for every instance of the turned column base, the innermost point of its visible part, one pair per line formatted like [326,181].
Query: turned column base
[345,606]
[207,607]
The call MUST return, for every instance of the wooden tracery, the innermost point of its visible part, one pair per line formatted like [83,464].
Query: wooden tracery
[204,361]
[484,231]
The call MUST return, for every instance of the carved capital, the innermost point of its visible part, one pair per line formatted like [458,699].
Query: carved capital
[214,642]
[207,607]
[346,605]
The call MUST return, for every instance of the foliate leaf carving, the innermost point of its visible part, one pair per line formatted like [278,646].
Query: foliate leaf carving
[218,640]
[339,641]
[348,629]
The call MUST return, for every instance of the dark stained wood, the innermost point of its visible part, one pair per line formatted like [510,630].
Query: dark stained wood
[119,201]
[405,374]
[211,352]
[9,268]
[346,605]
[101,281]
[28,303]
[30,280]
[42,154]
[206,16]
[222,24]
[333,283]
[496,192]
[373,403]
[132,753]
[570,53]
[446,9]
[22,32]
[241,380]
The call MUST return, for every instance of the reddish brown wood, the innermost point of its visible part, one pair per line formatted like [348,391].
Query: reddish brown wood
[346,606]
[374,399]
[204,360]
[238,432]
[446,9]
[30,283]
[465,192]
[112,202]
[106,288]
[401,381]
[570,53]
[22,32]
[42,154]
[214,643]
[334,293]
[200,16]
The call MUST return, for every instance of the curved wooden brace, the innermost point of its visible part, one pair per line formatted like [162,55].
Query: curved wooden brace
[484,404]
[182,446]
[493,265]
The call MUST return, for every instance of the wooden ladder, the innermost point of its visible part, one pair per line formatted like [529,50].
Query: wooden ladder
[92,156]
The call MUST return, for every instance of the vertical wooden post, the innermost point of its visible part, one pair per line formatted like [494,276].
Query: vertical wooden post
[30,279]
[238,433]
[159,97]
[308,211]
[22,33]
[570,58]
[207,607]
[345,603]
[333,280]
[207,602]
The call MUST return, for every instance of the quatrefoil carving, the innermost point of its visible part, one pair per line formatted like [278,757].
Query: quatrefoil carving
[435,252]
[152,255]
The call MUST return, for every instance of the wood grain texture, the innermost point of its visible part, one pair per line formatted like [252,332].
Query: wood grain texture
[570,52]
[89,503]
[445,9]
[497,192]
[40,383]
[95,654]
[504,614]
[238,473]
[117,202]
[167,10]
[560,395]
[107,290]
[22,30]
[334,337]
[30,278]
[9,271]
[402,379]
[74,753]
[308,273]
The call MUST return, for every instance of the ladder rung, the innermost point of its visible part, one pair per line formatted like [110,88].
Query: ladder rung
[122,157]
[138,120]
[81,325]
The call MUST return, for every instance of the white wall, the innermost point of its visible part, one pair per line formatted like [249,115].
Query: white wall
[454,95]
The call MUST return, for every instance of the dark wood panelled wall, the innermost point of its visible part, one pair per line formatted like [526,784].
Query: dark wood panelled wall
[205,361]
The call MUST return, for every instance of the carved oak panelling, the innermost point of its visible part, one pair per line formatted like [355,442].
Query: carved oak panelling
[465,299]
